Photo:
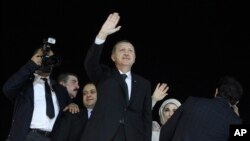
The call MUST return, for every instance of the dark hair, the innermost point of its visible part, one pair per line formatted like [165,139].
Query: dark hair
[230,89]
[64,77]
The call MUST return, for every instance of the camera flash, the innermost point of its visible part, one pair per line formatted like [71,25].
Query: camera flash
[51,40]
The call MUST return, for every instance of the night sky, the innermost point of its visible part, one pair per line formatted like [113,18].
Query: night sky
[188,44]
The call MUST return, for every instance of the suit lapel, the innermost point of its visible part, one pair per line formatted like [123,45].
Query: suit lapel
[133,89]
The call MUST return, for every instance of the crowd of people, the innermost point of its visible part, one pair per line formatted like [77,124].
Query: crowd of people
[117,103]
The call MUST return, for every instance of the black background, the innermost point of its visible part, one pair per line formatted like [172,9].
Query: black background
[188,44]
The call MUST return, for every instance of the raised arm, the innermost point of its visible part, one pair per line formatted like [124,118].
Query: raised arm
[18,80]
[92,60]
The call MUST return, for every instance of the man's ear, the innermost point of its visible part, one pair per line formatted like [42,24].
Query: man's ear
[216,92]
[62,83]
[113,58]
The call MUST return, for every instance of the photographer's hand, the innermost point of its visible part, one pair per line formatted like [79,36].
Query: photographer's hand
[37,57]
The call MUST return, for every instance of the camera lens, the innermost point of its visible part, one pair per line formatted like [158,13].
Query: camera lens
[51,60]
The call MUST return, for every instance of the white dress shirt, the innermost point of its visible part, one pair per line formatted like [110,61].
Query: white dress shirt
[40,120]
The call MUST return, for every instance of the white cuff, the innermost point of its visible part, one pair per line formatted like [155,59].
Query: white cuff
[153,103]
[99,41]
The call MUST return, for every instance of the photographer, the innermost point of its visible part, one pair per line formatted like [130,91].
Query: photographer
[38,99]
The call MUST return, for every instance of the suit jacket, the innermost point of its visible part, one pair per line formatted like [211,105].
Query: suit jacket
[200,119]
[19,89]
[70,126]
[112,109]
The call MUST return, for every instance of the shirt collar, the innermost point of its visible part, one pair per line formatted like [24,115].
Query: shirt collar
[128,73]
[37,76]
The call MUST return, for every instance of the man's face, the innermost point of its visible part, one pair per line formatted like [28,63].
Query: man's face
[124,54]
[89,96]
[72,85]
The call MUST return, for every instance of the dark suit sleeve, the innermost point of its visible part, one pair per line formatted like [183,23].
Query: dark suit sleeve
[17,81]
[62,96]
[62,132]
[168,129]
[147,117]
[70,126]
[92,64]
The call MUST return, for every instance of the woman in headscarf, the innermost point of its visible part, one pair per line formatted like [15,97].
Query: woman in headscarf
[166,110]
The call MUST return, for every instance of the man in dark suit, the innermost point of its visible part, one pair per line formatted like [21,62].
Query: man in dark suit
[123,109]
[71,126]
[203,119]
[29,88]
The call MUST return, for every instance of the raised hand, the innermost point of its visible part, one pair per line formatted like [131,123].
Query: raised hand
[37,57]
[109,26]
[160,92]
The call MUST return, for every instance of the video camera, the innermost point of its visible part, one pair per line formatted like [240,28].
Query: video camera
[48,43]
[48,62]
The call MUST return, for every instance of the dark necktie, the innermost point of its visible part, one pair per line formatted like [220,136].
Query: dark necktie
[49,103]
[124,76]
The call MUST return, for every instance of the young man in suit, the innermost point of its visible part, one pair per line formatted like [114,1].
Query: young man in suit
[39,100]
[203,119]
[123,109]
[71,126]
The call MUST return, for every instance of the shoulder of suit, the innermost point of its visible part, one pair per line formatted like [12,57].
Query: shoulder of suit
[138,77]
[58,86]
[194,99]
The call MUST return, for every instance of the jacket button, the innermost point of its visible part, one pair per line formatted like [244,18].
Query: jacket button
[121,121]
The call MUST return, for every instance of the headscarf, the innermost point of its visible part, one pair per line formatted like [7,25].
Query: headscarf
[168,101]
